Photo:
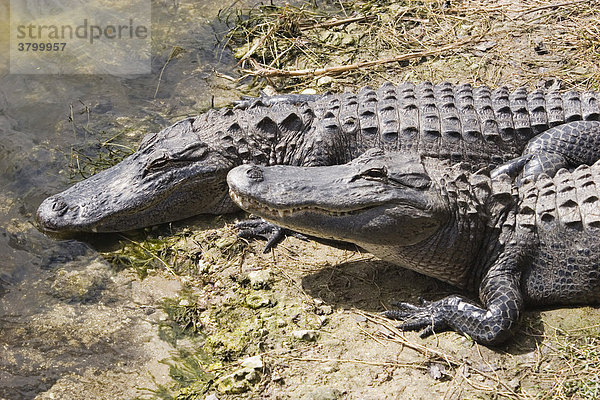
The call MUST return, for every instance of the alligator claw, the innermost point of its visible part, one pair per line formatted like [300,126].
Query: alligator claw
[259,228]
[512,167]
[424,317]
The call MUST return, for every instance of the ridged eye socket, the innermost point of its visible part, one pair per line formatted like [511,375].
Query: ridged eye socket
[159,162]
[375,174]
[415,181]
[147,141]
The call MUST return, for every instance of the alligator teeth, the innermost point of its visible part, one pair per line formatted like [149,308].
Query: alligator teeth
[255,206]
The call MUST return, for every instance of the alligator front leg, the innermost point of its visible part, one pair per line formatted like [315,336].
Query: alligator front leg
[259,228]
[564,146]
[489,325]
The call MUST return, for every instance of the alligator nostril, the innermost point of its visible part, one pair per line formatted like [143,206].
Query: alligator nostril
[255,173]
[59,206]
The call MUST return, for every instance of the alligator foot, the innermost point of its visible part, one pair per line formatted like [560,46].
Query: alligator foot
[259,228]
[490,326]
[426,317]
[512,167]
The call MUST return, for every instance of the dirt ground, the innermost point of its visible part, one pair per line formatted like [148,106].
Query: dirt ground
[301,322]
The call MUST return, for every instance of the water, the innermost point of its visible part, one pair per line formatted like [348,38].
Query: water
[52,344]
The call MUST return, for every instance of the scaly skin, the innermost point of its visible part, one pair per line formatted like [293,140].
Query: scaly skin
[529,245]
[566,145]
[180,172]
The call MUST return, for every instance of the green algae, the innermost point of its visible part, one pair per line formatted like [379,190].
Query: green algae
[181,252]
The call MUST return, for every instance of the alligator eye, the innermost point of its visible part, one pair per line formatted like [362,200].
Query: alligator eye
[158,163]
[416,181]
[375,174]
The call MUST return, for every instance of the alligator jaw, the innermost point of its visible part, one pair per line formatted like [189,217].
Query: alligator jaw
[266,212]
[312,220]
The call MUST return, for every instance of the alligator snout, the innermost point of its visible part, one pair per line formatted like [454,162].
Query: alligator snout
[244,177]
[50,212]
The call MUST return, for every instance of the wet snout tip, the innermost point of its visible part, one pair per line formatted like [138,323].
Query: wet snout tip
[50,211]
[244,175]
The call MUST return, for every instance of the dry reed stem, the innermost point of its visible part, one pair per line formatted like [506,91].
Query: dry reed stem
[416,35]
[264,71]
[399,337]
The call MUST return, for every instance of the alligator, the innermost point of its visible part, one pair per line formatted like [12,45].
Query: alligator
[530,245]
[181,171]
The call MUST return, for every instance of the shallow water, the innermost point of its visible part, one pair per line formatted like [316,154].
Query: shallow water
[45,337]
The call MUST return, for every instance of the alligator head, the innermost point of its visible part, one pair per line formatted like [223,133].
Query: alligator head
[173,175]
[376,199]
[425,215]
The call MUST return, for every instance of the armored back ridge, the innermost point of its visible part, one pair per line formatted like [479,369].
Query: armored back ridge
[181,171]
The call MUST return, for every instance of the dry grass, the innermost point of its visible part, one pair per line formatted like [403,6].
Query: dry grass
[569,368]
[362,42]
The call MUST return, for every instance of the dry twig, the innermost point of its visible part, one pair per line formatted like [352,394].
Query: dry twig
[269,72]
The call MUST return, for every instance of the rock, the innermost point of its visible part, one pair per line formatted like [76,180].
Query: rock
[308,335]
[331,38]
[225,241]
[348,39]
[485,46]
[324,310]
[323,393]
[253,362]
[260,279]
[257,300]
[80,285]
[437,371]
[239,381]
[324,80]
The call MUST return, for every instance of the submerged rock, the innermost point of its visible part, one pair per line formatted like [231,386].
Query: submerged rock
[83,285]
